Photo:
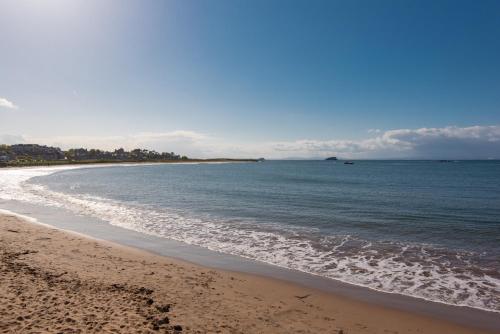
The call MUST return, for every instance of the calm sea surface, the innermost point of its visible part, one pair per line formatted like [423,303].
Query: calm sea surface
[420,228]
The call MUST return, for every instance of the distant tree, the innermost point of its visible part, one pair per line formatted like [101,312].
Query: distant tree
[29,154]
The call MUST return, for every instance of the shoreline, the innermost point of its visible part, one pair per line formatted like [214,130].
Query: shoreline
[314,311]
[463,315]
[121,162]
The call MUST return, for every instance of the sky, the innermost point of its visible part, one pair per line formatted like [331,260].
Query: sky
[274,79]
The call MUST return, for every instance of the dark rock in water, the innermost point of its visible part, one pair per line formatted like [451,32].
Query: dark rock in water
[164,308]
[178,328]
[331,158]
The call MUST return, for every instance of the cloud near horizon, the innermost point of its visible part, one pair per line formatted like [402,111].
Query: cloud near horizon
[4,103]
[474,142]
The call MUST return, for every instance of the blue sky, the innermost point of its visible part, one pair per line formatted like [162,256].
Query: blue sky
[250,78]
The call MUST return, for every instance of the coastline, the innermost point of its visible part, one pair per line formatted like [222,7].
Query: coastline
[45,262]
[84,163]
[99,228]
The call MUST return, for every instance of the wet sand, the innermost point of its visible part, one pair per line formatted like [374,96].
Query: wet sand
[53,281]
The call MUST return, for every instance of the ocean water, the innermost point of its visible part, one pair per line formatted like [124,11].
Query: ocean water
[420,228]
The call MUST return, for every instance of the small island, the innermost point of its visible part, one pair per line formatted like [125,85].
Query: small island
[331,158]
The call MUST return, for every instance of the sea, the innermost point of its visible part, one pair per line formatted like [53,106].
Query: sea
[425,229]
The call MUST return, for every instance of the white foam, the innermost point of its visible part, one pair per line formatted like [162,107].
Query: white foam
[417,270]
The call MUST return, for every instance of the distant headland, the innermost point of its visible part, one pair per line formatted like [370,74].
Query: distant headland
[331,158]
[20,155]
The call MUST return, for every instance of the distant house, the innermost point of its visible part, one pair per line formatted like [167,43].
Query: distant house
[34,151]
[80,154]
[4,159]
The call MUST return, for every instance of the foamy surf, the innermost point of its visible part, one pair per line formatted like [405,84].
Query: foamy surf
[418,270]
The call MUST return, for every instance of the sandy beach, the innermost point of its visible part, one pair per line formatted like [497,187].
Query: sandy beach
[53,281]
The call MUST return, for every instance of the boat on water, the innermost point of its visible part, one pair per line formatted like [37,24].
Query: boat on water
[348,163]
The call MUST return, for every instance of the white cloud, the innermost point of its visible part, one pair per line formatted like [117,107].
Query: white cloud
[448,142]
[474,142]
[7,104]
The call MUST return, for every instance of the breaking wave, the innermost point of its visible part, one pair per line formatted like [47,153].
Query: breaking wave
[413,269]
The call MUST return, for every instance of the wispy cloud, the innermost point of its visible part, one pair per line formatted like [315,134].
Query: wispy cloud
[11,139]
[474,142]
[4,103]
[151,140]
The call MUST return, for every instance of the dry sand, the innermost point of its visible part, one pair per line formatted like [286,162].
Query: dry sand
[52,281]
